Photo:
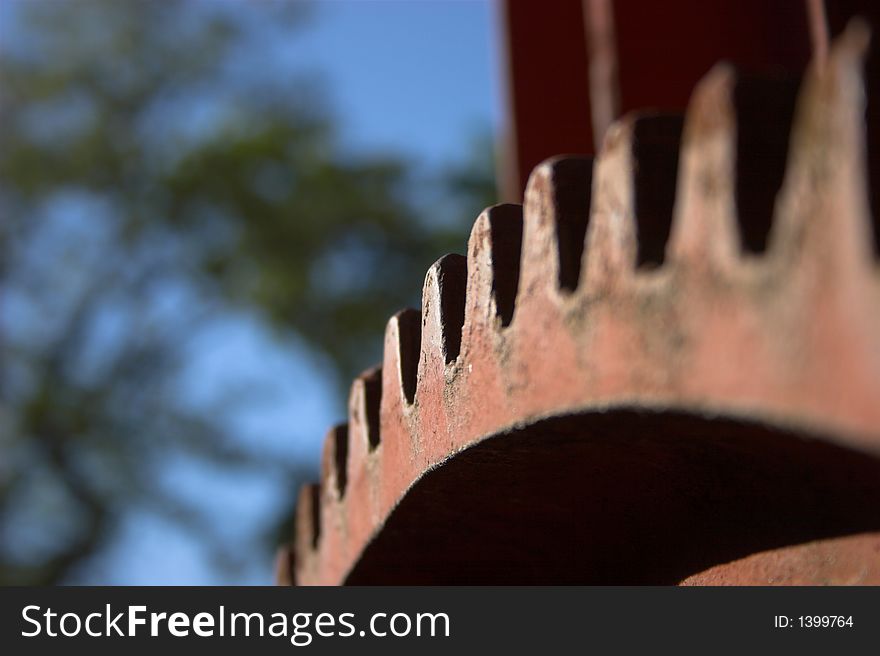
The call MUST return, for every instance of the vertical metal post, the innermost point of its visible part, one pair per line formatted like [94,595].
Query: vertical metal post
[548,95]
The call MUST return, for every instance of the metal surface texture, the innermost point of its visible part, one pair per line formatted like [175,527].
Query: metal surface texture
[664,367]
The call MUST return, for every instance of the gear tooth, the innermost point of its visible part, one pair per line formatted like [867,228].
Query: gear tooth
[703,229]
[733,157]
[611,234]
[403,337]
[494,250]
[308,521]
[555,216]
[443,303]
[823,205]
[334,463]
[634,191]
[364,404]
[285,566]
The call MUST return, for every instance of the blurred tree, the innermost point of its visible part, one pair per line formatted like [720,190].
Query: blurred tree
[153,174]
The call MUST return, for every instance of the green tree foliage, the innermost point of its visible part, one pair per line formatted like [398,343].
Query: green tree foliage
[147,183]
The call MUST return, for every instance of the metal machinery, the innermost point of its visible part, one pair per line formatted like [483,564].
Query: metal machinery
[664,366]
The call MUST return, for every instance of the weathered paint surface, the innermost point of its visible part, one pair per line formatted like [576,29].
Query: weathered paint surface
[626,282]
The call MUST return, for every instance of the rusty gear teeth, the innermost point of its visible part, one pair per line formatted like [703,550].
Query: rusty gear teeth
[494,250]
[634,192]
[364,406]
[664,276]
[403,339]
[443,312]
[557,209]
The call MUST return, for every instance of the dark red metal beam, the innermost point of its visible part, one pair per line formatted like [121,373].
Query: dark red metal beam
[663,48]
[572,66]
[548,99]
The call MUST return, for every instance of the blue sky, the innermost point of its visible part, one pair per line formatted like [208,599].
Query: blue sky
[417,78]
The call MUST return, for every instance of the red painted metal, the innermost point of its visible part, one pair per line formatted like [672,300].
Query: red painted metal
[630,378]
[547,87]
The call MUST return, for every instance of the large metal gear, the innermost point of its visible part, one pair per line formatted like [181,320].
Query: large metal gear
[657,370]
